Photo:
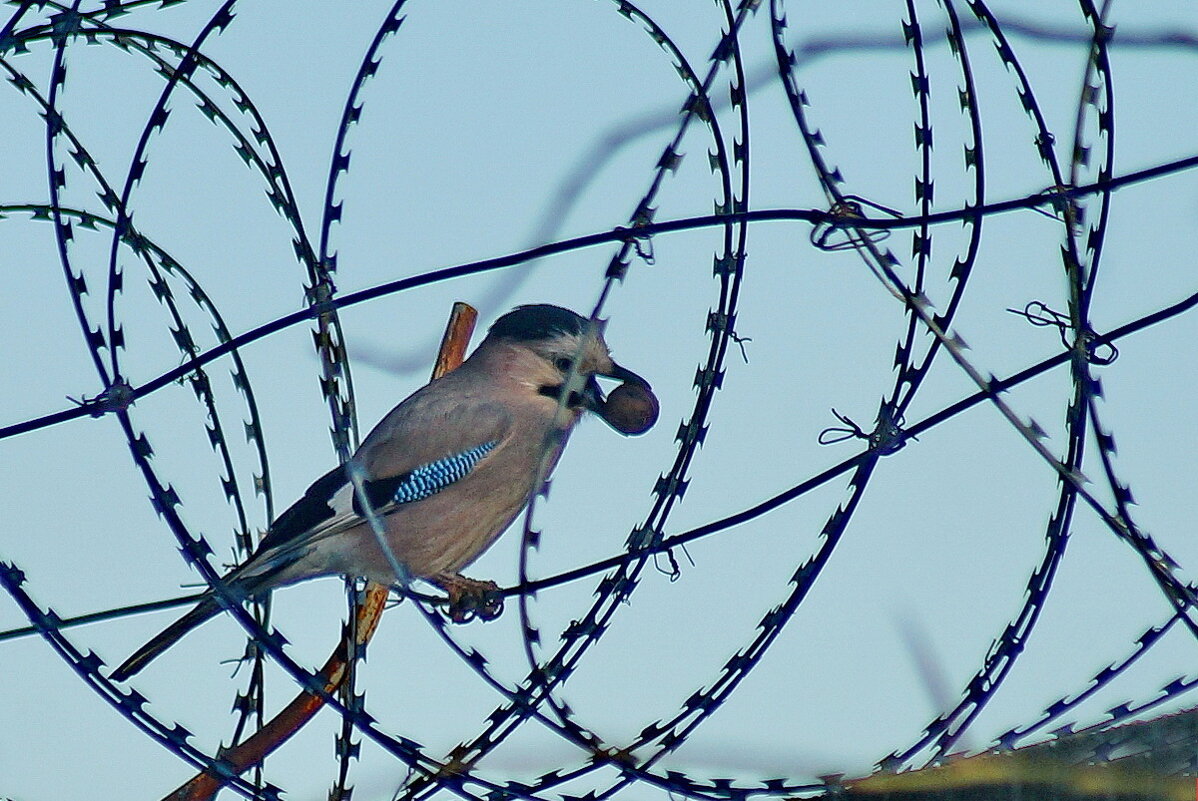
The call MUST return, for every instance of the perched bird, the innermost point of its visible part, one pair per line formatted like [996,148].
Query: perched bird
[446,471]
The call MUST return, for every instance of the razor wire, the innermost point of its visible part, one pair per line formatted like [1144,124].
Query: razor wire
[847,224]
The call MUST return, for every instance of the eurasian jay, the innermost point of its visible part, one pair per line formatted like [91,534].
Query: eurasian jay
[446,471]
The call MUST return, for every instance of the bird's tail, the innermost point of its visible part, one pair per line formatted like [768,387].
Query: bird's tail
[205,609]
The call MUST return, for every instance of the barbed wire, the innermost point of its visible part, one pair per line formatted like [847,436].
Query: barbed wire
[852,221]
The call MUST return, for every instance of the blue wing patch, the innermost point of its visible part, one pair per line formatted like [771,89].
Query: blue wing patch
[431,478]
[318,504]
[425,480]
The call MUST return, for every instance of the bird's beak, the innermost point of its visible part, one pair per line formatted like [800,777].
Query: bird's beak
[626,376]
[593,398]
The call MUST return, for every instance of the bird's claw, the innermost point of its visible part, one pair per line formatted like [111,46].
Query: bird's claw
[470,598]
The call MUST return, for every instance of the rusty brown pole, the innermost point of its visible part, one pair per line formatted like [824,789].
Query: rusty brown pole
[368,612]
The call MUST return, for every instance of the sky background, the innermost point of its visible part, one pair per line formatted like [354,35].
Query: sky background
[479,115]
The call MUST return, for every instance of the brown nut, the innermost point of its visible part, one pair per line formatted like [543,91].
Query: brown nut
[631,409]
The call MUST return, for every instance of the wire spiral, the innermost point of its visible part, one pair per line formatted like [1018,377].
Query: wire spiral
[139,221]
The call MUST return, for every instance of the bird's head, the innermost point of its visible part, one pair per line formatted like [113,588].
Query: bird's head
[560,353]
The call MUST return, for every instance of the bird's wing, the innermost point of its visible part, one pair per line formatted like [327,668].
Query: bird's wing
[315,510]
[421,448]
[449,416]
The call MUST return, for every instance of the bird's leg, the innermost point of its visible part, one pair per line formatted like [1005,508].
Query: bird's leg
[469,597]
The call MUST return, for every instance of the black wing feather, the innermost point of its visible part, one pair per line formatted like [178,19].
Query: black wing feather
[308,512]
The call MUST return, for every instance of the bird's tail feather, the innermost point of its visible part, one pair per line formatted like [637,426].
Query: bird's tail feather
[262,573]
[205,609]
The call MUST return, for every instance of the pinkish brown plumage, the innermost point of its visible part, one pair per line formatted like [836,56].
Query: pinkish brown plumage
[447,470]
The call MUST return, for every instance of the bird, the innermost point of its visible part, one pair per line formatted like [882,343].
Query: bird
[446,471]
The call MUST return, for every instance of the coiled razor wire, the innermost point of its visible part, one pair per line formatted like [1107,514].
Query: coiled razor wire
[1078,195]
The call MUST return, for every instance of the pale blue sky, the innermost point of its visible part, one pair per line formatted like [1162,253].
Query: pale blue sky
[478,114]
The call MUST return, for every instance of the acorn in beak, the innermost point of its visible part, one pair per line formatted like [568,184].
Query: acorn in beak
[631,408]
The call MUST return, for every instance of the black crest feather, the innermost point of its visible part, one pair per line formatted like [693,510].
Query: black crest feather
[538,321]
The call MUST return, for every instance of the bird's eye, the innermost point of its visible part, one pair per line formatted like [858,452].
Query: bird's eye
[564,364]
